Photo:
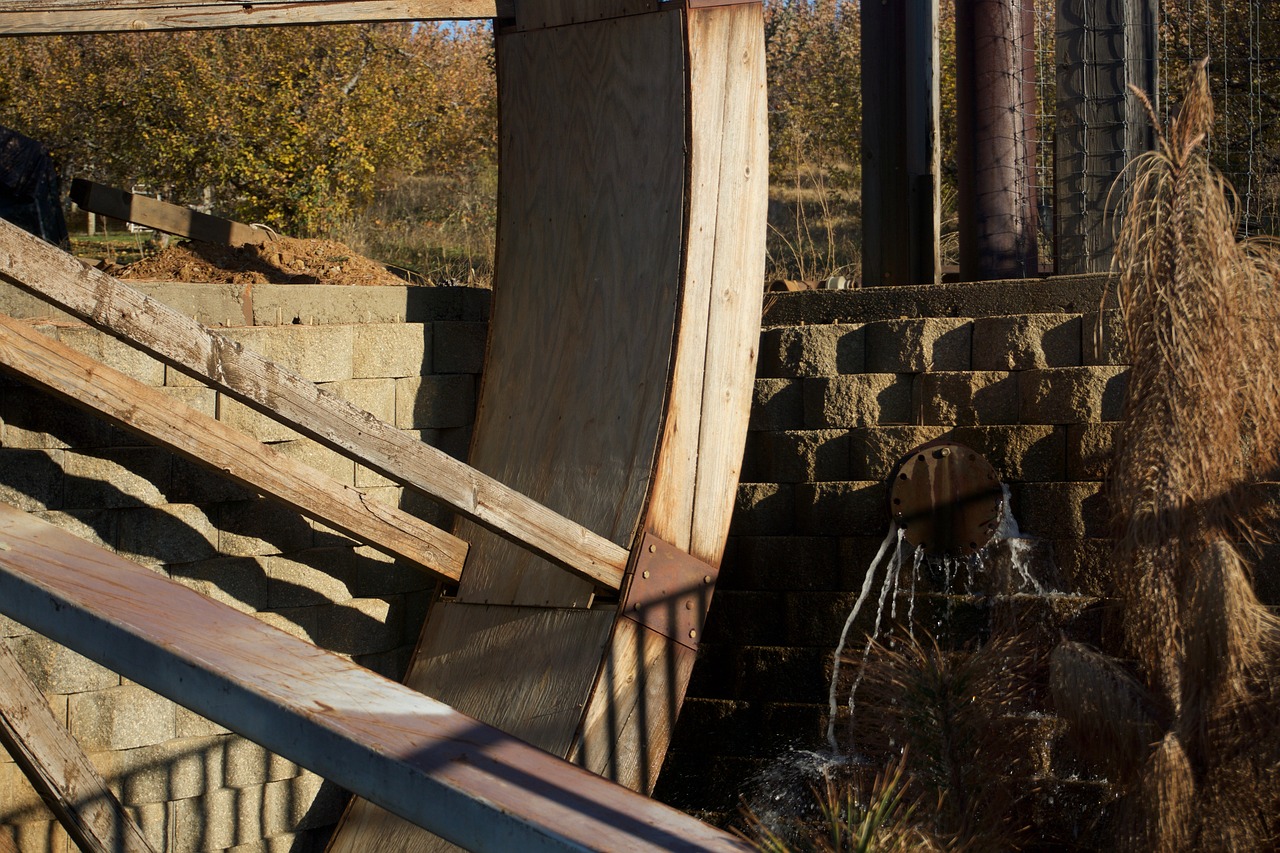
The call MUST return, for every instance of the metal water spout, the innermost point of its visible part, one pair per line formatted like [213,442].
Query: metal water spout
[947,499]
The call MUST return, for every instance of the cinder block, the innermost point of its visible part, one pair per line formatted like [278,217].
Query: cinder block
[361,626]
[801,456]
[153,821]
[57,669]
[741,618]
[1072,395]
[31,480]
[777,404]
[121,717]
[39,837]
[203,400]
[392,664]
[253,423]
[455,441]
[458,347]
[1102,338]
[320,353]
[1086,565]
[1019,453]
[10,628]
[825,350]
[861,400]
[174,770]
[246,764]
[1026,341]
[308,578]
[96,526]
[375,396]
[259,527]
[210,304]
[200,484]
[213,821]
[1061,510]
[1089,449]
[192,725]
[116,477]
[303,802]
[114,353]
[841,509]
[34,420]
[298,622]
[19,802]
[916,345]
[967,398]
[391,350]
[236,581]
[764,509]
[874,452]
[378,574]
[338,468]
[435,402]
[170,534]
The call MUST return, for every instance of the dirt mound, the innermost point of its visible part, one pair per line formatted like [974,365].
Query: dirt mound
[282,260]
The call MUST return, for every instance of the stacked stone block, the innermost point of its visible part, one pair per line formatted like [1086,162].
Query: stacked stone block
[837,406]
[192,785]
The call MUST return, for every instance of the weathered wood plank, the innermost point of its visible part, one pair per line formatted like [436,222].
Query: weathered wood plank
[162,216]
[541,14]
[587,278]
[128,403]
[58,768]
[631,717]
[56,17]
[176,339]
[525,670]
[440,769]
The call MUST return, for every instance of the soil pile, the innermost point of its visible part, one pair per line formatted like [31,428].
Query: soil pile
[282,260]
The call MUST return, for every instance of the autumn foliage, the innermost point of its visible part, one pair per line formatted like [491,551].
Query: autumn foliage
[292,127]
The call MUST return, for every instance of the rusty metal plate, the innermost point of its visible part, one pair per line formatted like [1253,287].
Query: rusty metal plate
[947,498]
[670,591]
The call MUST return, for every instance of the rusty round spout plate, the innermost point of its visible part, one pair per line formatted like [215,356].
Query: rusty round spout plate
[947,498]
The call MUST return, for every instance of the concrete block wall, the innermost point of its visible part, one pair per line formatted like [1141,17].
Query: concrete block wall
[1031,375]
[411,356]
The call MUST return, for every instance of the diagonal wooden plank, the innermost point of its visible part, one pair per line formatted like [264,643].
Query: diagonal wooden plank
[163,216]
[176,339]
[468,782]
[59,770]
[57,17]
[130,404]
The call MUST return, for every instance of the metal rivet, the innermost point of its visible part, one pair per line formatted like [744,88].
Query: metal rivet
[688,605]
[706,578]
[645,575]
[653,549]
[693,634]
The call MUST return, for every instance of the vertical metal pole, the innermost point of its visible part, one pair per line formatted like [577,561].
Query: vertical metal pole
[997,234]
[1103,48]
[901,194]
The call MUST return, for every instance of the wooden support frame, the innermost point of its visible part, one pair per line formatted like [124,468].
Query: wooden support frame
[477,786]
[128,403]
[59,770]
[162,216]
[180,341]
[58,17]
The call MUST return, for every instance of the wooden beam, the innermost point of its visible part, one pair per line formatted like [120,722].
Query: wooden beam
[57,17]
[163,216]
[475,785]
[176,339]
[59,770]
[128,403]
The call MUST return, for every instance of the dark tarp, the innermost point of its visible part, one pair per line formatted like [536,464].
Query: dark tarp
[29,195]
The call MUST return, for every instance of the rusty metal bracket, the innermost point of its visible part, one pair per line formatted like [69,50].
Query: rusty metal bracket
[669,591]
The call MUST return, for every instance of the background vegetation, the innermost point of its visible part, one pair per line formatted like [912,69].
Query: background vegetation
[385,136]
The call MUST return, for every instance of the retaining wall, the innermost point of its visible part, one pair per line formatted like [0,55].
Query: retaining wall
[413,360]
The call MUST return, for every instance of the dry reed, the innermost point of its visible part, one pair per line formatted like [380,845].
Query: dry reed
[1201,423]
